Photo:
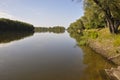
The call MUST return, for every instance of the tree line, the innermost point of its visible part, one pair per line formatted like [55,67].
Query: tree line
[99,14]
[55,29]
[14,26]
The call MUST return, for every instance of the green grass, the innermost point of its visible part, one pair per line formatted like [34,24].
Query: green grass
[87,34]
[116,41]
[100,38]
[82,43]
[109,42]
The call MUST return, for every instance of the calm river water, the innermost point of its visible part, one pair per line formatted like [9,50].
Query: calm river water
[47,56]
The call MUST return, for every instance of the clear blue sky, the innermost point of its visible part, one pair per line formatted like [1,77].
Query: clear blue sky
[42,12]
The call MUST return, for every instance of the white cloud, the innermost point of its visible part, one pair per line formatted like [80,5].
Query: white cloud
[9,16]
[6,15]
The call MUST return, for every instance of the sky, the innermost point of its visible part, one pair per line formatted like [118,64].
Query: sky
[42,13]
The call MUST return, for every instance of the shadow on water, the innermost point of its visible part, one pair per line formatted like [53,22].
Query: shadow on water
[6,37]
[94,62]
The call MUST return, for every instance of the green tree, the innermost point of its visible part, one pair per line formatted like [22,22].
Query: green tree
[76,26]
[110,10]
[93,16]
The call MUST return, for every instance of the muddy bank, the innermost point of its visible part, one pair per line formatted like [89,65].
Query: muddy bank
[113,73]
[104,51]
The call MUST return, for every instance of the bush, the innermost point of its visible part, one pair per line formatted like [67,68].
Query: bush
[91,34]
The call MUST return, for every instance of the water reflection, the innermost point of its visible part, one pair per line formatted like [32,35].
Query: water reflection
[95,63]
[43,56]
[6,37]
[46,56]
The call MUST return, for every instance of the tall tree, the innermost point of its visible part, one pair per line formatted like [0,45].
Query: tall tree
[93,15]
[111,11]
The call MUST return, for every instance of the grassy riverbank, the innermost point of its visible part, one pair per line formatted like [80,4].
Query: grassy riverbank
[101,41]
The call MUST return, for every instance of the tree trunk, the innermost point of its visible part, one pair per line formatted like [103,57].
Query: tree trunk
[112,23]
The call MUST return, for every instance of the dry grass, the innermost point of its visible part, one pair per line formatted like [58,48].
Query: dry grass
[109,42]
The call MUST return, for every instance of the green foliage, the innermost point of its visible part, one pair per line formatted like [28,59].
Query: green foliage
[10,25]
[77,26]
[82,39]
[107,9]
[55,29]
[82,43]
[94,35]
[97,13]
[91,34]
[113,6]
[94,17]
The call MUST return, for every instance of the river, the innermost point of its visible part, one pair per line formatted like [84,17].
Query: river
[47,56]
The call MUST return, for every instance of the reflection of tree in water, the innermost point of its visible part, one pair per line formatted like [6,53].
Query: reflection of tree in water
[94,62]
[56,29]
[76,36]
[6,37]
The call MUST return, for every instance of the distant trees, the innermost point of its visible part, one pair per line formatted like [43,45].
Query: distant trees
[99,13]
[11,25]
[55,29]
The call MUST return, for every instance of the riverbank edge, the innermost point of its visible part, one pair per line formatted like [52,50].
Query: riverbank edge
[113,73]
[94,45]
[102,42]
